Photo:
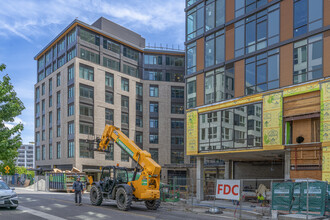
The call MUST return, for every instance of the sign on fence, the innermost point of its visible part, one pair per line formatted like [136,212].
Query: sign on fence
[228,189]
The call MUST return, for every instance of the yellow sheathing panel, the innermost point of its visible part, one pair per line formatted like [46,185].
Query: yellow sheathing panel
[326,164]
[192,133]
[245,151]
[272,120]
[241,101]
[301,89]
[325,112]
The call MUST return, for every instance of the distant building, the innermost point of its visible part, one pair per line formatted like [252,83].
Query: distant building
[92,75]
[26,156]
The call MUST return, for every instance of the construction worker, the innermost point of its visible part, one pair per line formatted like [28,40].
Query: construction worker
[78,188]
[261,199]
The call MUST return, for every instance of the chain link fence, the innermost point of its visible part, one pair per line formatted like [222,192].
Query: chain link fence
[258,197]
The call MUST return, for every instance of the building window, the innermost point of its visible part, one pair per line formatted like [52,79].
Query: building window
[41,76]
[130,53]
[37,138]
[177,140]
[70,149]
[124,102]
[50,86]
[50,118]
[89,37]
[109,80]
[37,94]
[58,79]
[43,135]
[262,72]
[177,123]
[191,58]
[153,138]
[124,84]
[86,91]
[139,106]
[70,73]
[58,116]
[308,59]
[257,31]
[242,6]
[86,128]
[154,75]
[60,61]
[129,70]
[43,152]
[37,108]
[50,152]
[195,21]
[124,118]
[154,154]
[41,63]
[58,131]
[50,134]
[111,64]
[58,150]
[139,121]
[109,97]
[109,155]
[124,156]
[70,92]
[43,89]
[72,36]
[71,54]
[86,72]
[139,137]
[139,89]
[37,122]
[174,61]
[110,45]
[177,108]
[153,92]
[153,107]
[308,16]
[61,46]
[177,156]
[71,109]
[215,49]
[85,150]
[233,131]
[43,107]
[71,128]
[43,122]
[174,77]
[48,70]
[153,59]
[90,56]
[37,153]
[86,110]
[50,101]
[109,114]
[191,92]
[153,122]
[58,99]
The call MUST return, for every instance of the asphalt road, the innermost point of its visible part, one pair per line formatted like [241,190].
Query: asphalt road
[57,206]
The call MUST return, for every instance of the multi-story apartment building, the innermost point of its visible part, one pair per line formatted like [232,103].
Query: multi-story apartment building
[92,75]
[257,81]
[26,157]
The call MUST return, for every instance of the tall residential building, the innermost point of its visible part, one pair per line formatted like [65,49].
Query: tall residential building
[257,89]
[93,75]
[26,157]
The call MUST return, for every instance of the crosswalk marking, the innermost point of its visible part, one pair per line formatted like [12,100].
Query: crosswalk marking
[39,213]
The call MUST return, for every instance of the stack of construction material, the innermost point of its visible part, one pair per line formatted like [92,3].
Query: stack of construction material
[63,181]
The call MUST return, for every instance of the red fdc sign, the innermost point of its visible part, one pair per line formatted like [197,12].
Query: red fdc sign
[228,189]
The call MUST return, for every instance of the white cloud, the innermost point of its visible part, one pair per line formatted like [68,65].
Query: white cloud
[16,121]
[30,19]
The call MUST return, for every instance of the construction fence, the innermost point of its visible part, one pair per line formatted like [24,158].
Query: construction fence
[263,197]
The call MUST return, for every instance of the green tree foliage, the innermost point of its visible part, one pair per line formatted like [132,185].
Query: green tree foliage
[10,107]
[23,170]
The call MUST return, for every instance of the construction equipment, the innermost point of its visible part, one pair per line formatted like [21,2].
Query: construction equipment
[114,182]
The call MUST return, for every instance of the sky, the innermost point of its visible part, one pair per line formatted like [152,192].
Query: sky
[27,26]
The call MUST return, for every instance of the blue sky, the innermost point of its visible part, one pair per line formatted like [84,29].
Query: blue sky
[27,26]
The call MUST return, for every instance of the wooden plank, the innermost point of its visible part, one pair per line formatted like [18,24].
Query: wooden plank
[302,111]
[313,174]
[302,103]
[301,96]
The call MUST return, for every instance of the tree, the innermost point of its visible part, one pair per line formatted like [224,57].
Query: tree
[10,107]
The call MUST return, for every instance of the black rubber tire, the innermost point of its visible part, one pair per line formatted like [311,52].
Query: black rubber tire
[96,196]
[124,200]
[152,204]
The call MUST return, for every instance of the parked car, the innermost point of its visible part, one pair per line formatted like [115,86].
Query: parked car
[8,197]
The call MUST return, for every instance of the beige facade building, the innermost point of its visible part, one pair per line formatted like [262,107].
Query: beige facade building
[92,75]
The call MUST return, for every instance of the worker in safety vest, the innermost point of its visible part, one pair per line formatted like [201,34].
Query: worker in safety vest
[261,199]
